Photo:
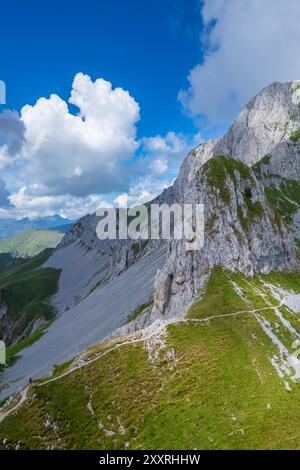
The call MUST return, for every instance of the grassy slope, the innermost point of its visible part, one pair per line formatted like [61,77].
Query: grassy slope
[219,170]
[25,290]
[31,242]
[220,391]
[7,261]
[285,199]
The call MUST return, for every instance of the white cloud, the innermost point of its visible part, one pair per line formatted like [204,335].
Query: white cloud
[170,144]
[80,154]
[66,162]
[12,137]
[167,152]
[26,203]
[161,157]
[143,190]
[249,44]
[160,165]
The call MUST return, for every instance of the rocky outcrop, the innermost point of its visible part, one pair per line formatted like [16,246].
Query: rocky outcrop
[244,231]
[267,120]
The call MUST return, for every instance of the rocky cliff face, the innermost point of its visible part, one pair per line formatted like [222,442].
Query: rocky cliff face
[241,180]
[267,120]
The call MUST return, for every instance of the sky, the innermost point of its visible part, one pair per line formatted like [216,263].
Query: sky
[104,98]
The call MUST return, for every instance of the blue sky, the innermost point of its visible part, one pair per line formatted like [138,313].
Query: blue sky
[146,47]
[106,97]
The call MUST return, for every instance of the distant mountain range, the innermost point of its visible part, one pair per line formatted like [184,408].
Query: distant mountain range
[30,242]
[11,227]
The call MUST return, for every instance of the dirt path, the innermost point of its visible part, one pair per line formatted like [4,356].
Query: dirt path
[23,398]
[142,337]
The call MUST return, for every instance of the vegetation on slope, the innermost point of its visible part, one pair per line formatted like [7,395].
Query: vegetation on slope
[12,352]
[218,168]
[210,386]
[139,311]
[258,166]
[7,261]
[222,169]
[295,136]
[31,242]
[283,195]
[285,199]
[24,293]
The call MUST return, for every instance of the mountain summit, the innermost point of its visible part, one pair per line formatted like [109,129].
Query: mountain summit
[267,121]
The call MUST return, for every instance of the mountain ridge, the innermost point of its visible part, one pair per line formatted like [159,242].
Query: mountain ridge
[10,227]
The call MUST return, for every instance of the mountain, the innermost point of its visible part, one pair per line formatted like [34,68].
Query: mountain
[159,347]
[11,227]
[30,242]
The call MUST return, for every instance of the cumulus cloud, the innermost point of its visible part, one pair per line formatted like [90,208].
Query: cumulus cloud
[158,165]
[69,164]
[249,44]
[167,152]
[148,180]
[12,136]
[143,190]
[80,154]
[26,203]
[171,143]
[161,156]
